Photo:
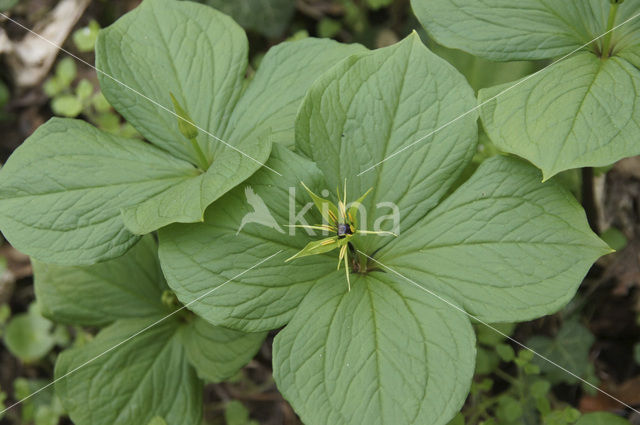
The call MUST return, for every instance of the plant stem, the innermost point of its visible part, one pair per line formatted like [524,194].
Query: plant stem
[506,377]
[202,160]
[606,44]
[588,199]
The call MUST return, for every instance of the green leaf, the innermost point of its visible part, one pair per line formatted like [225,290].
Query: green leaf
[100,103]
[457,420]
[268,17]
[328,27]
[28,335]
[540,388]
[488,335]
[569,348]
[66,106]
[495,29]
[127,287]
[73,215]
[373,105]
[273,97]
[614,238]
[218,353]
[378,4]
[251,227]
[505,352]
[85,38]
[190,50]
[206,77]
[505,246]
[482,73]
[145,377]
[384,353]
[601,418]
[486,361]
[84,90]
[66,71]
[80,202]
[52,87]
[236,414]
[157,421]
[509,409]
[7,4]
[574,114]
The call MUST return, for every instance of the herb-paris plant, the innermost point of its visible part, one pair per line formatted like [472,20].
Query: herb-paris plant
[503,246]
[157,372]
[72,194]
[580,111]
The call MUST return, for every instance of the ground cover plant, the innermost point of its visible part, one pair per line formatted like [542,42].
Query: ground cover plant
[577,113]
[222,221]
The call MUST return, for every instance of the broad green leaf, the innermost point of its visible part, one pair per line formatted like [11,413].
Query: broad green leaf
[374,104]
[127,287]
[145,377]
[28,336]
[199,55]
[273,97]
[384,353]
[184,48]
[62,191]
[218,353]
[268,17]
[152,53]
[157,421]
[482,73]
[504,246]
[601,418]
[577,113]
[502,30]
[569,349]
[250,223]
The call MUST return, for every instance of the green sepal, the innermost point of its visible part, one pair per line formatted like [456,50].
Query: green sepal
[317,247]
[353,209]
[323,205]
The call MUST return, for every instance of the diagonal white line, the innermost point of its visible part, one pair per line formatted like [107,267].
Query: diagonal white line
[138,333]
[499,332]
[496,96]
[136,92]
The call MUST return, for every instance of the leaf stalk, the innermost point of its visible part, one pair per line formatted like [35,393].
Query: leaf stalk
[203,163]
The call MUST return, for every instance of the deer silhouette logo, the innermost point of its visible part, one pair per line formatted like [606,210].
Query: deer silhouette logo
[260,213]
